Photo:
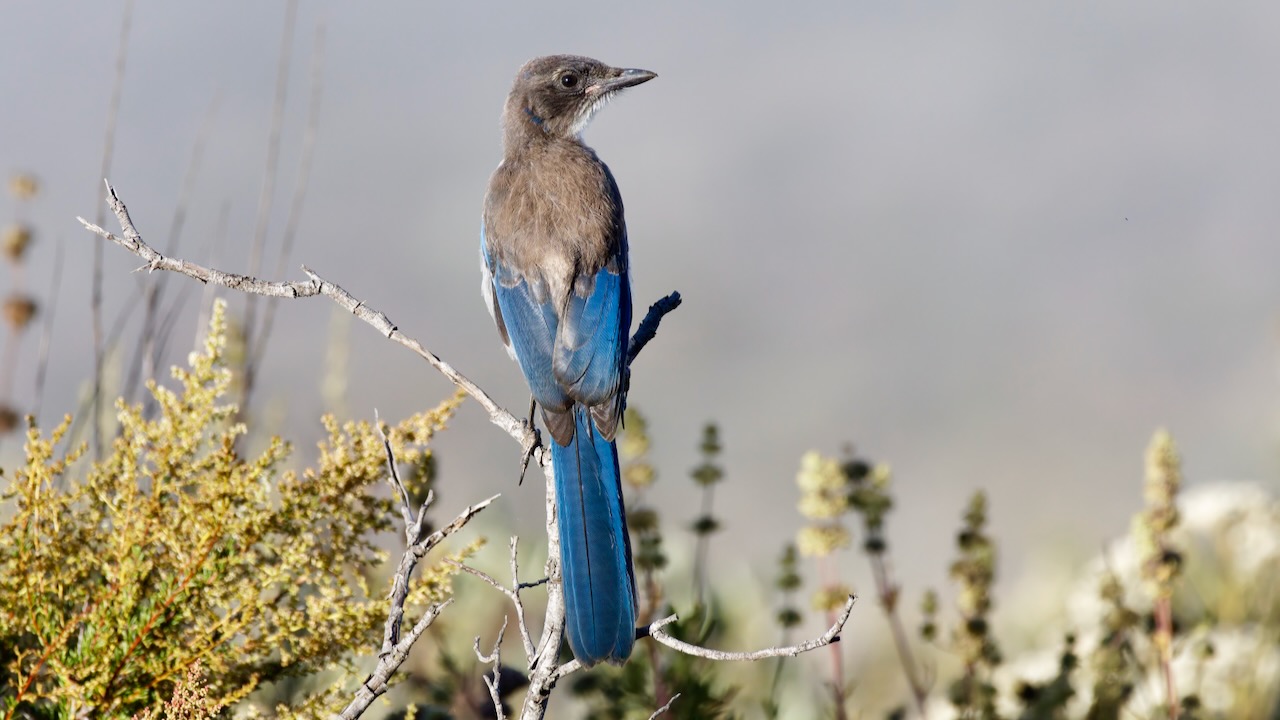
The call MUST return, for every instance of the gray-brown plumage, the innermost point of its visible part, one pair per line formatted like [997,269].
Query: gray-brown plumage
[554,256]
[553,216]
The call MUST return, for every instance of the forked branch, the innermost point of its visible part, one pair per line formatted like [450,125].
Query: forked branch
[395,646]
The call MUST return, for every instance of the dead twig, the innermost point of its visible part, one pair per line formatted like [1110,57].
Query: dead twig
[395,646]
[832,635]
[512,593]
[665,707]
[491,681]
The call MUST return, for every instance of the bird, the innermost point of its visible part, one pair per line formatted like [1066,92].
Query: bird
[553,250]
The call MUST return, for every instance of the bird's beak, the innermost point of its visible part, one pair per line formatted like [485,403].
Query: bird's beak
[620,78]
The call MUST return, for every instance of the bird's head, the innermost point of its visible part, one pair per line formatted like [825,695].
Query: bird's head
[558,94]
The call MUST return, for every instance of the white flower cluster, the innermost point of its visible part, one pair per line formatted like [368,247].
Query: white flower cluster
[1227,650]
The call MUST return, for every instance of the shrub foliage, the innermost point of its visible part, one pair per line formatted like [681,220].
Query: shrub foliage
[119,576]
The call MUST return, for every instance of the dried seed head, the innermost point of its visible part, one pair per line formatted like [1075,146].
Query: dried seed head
[19,311]
[15,241]
[24,186]
[8,419]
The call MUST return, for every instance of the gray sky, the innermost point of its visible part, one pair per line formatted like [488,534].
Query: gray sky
[994,244]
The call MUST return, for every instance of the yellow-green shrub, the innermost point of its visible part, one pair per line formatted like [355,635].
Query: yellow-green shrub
[118,576]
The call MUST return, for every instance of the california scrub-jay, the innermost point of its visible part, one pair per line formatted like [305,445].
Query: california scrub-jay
[553,250]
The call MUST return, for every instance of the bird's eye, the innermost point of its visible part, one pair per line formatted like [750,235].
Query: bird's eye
[569,80]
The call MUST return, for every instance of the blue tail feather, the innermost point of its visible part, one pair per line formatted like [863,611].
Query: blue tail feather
[599,586]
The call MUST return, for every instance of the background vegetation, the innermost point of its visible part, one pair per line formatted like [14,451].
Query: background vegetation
[181,576]
[169,555]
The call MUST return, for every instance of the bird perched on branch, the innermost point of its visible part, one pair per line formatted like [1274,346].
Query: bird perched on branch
[553,251]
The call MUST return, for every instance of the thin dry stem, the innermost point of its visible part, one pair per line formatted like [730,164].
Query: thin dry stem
[888,593]
[393,476]
[299,190]
[838,692]
[146,354]
[268,191]
[46,330]
[108,151]
[1164,643]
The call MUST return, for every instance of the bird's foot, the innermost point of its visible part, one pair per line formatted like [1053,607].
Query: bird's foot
[532,441]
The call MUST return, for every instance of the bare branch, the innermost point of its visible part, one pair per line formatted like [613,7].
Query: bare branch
[568,668]
[517,428]
[491,580]
[393,476]
[435,538]
[649,326]
[516,587]
[132,241]
[657,632]
[394,647]
[496,658]
[544,673]
[512,593]
[664,708]
[376,683]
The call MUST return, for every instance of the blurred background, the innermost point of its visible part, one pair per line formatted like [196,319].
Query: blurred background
[994,246]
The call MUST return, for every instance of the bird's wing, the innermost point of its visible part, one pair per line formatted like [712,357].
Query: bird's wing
[526,318]
[591,342]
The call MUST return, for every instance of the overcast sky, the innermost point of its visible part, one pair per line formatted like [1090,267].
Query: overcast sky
[993,244]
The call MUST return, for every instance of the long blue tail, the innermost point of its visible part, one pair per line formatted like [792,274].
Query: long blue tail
[599,588]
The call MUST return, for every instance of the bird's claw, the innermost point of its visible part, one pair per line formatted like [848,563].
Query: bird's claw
[532,441]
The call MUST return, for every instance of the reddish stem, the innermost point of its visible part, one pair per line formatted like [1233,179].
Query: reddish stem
[1164,641]
[146,628]
[888,593]
[837,657]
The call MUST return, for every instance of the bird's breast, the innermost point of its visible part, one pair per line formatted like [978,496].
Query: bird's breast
[553,212]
